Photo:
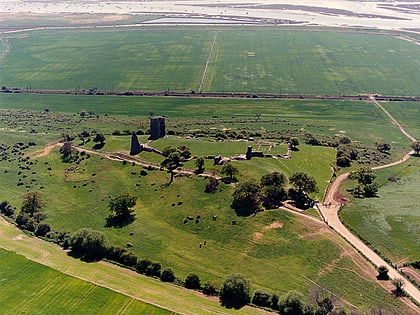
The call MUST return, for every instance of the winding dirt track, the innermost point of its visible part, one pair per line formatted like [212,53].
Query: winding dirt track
[329,211]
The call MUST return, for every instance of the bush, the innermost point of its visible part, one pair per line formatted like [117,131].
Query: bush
[291,303]
[192,281]
[154,270]
[235,291]
[167,275]
[89,244]
[382,273]
[42,229]
[143,265]
[261,298]
[7,209]
[210,288]
[129,259]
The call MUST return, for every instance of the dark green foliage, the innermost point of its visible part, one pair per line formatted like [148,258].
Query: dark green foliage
[399,284]
[229,170]
[211,185]
[246,199]
[382,273]
[42,229]
[99,140]
[345,154]
[121,210]
[143,265]
[88,244]
[273,188]
[192,281]
[367,186]
[25,222]
[291,303]
[303,182]
[32,204]
[7,209]
[167,275]
[199,163]
[66,152]
[415,145]
[235,291]
[210,288]
[129,259]
[274,302]
[261,298]
[383,147]
[154,270]
[344,140]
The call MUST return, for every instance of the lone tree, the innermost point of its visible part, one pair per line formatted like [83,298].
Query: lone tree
[399,284]
[122,212]
[229,170]
[246,199]
[415,145]
[99,140]
[235,291]
[303,183]
[382,273]
[172,162]
[32,205]
[199,163]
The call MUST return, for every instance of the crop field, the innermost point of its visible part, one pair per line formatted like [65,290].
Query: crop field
[28,287]
[391,222]
[248,60]
[407,113]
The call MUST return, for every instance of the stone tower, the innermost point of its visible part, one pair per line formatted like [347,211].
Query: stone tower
[135,147]
[157,128]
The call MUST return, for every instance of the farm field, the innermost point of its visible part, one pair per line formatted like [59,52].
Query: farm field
[28,287]
[407,114]
[390,222]
[239,59]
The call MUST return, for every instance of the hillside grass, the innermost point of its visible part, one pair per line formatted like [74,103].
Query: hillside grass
[390,222]
[158,59]
[28,287]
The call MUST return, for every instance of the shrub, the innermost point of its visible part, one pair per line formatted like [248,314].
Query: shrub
[143,265]
[129,259]
[210,288]
[192,281]
[154,270]
[167,275]
[7,209]
[261,298]
[89,244]
[42,229]
[291,303]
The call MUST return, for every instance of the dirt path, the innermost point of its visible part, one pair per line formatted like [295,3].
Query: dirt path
[329,211]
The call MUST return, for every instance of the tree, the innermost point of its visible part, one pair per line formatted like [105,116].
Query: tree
[294,142]
[399,284]
[167,275]
[261,298]
[172,162]
[415,145]
[382,273]
[291,303]
[209,288]
[273,188]
[66,150]
[303,182]
[199,163]
[192,281]
[99,140]
[229,170]
[122,211]
[7,209]
[383,147]
[211,185]
[143,265]
[235,291]
[367,186]
[89,244]
[42,229]
[32,205]
[246,199]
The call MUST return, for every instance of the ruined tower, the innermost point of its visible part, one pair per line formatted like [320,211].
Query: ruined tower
[157,128]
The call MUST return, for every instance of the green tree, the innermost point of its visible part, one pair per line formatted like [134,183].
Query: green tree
[382,273]
[210,288]
[172,162]
[415,145]
[6,208]
[303,183]
[235,291]
[32,203]
[229,170]
[199,163]
[261,298]
[273,188]
[246,199]
[88,243]
[192,281]
[167,275]
[399,284]
[99,139]
[122,211]
[294,142]
[367,186]
[291,303]
[42,229]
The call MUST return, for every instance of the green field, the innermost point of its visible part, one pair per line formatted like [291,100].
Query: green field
[159,59]
[29,288]
[407,113]
[390,222]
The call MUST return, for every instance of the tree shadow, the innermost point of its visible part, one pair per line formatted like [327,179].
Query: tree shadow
[84,256]
[98,146]
[119,221]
